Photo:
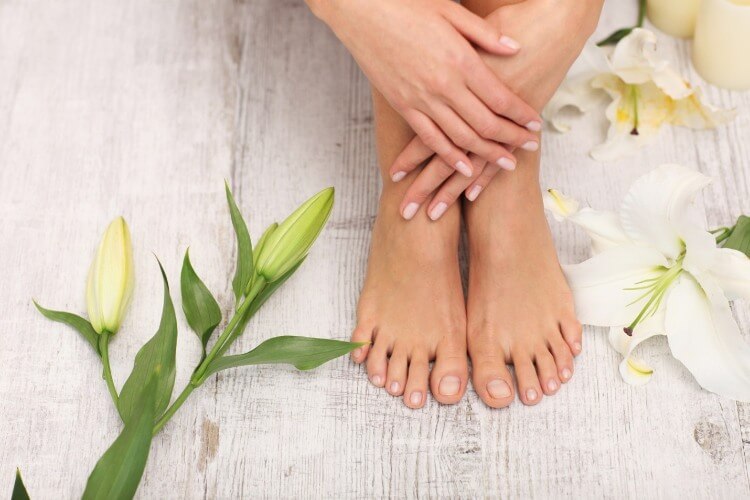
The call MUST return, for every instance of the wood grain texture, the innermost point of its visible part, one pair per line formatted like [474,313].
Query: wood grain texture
[142,109]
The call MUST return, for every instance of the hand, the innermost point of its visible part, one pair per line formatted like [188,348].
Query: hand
[418,54]
[555,37]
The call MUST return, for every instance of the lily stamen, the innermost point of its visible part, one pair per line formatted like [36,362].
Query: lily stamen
[657,289]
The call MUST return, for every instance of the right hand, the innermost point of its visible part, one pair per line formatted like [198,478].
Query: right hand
[418,54]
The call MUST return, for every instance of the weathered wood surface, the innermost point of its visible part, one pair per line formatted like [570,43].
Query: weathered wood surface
[142,109]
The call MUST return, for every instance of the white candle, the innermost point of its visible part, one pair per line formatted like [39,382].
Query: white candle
[721,49]
[673,17]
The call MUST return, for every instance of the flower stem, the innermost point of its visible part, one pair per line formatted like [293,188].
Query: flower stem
[722,233]
[174,407]
[641,13]
[107,372]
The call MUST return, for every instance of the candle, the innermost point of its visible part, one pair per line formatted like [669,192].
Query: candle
[721,49]
[673,17]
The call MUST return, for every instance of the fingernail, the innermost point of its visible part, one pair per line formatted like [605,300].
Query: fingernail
[552,385]
[449,385]
[530,146]
[410,210]
[509,42]
[498,388]
[394,387]
[357,353]
[531,395]
[415,398]
[376,380]
[398,176]
[534,126]
[463,168]
[438,210]
[577,346]
[566,373]
[474,193]
[506,163]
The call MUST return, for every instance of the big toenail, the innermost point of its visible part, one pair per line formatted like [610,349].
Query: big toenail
[566,373]
[552,385]
[415,398]
[450,385]
[357,353]
[376,380]
[394,387]
[531,395]
[498,388]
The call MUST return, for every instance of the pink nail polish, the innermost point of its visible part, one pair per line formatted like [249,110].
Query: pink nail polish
[474,193]
[438,210]
[530,146]
[552,385]
[508,42]
[506,163]
[398,176]
[578,346]
[410,211]
[531,395]
[394,387]
[463,168]
[566,373]
[498,389]
[376,380]
[534,126]
[450,385]
[357,353]
[415,398]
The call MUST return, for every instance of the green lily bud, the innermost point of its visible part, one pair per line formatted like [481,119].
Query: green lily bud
[291,241]
[110,281]
[256,253]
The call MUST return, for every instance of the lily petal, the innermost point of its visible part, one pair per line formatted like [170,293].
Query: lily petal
[703,335]
[731,270]
[559,205]
[632,370]
[600,284]
[658,203]
[693,112]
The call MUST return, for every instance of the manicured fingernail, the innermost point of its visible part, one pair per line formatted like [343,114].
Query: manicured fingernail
[410,210]
[438,210]
[357,353]
[530,146]
[394,387]
[566,373]
[534,126]
[552,385]
[474,193]
[449,385]
[531,395]
[506,163]
[463,168]
[415,398]
[498,388]
[577,346]
[376,380]
[398,176]
[509,43]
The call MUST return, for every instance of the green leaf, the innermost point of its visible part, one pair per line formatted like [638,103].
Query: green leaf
[19,490]
[739,239]
[305,353]
[79,324]
[157,356]
[615,37]
[118,473]
[244,271]
[201,309]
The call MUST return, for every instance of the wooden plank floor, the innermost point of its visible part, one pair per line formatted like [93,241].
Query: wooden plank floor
[142,109]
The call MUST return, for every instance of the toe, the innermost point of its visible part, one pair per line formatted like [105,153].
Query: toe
[377,362]
[573,334]
[491,379]
[563,358]
[527,379]
[396,378]
[363,333]
[546,371]
[449,373]
[415,392]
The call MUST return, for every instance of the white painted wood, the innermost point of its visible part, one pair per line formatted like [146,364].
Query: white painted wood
[142,109]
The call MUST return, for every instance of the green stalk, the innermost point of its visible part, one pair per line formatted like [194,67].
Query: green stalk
[174,407]
[722,233]
[107,372]
[641,13]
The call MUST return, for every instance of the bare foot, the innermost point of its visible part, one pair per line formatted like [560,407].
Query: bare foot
[520,309]
[412,306]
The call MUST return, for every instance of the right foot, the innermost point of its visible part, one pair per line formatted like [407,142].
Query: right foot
[412,307]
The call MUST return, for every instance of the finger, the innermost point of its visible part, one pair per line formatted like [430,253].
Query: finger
[413,155]
[466,138]
[452,189]
[428,180]
[435,139]
[476,188]
[488,125]
[479,31]
[500,99]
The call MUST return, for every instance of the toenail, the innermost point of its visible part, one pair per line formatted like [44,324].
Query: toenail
[450,385]
[411,210]
[394,387]
[415,398]
[357,353]
[531,395]
[376,380]
[498,388]
[566,374]
[552,385]
[578,346]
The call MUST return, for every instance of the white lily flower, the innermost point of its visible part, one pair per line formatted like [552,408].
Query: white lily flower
[659,272]
[645,94]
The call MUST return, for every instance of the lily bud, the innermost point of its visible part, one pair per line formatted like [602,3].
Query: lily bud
[110,281]
[257,251]
[291,240]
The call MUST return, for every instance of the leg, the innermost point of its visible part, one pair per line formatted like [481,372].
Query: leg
[411,306]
